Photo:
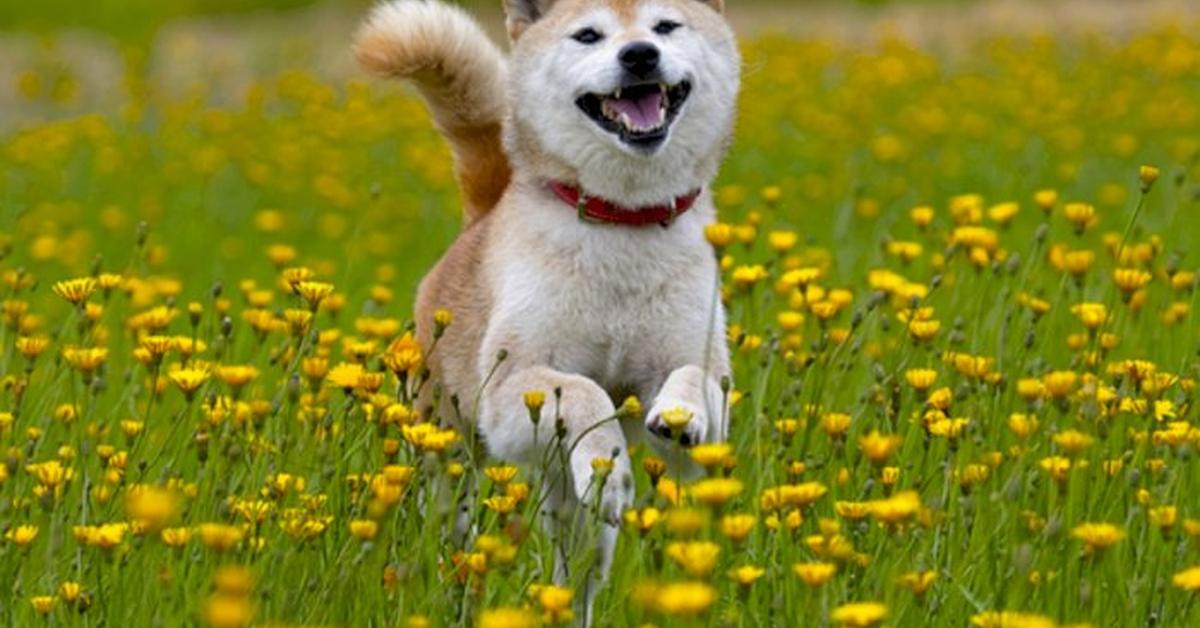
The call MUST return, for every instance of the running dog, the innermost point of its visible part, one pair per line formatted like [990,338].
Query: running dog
[584,157]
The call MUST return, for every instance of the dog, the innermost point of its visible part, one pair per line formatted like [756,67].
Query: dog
[585,158]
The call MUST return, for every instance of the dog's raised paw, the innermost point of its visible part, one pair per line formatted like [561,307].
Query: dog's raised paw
[678,421]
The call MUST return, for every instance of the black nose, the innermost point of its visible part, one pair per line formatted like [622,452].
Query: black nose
[639,58]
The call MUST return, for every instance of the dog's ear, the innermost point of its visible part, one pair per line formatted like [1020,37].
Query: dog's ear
[717,5]
[521,13]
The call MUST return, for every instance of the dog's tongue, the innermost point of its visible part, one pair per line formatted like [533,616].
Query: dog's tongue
[644,111]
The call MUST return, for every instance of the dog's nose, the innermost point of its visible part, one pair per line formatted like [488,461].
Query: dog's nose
[639,58]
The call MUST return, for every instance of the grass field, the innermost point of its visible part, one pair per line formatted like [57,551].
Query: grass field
[962,293]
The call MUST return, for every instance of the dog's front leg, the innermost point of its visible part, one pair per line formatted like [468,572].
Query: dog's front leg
[575,426]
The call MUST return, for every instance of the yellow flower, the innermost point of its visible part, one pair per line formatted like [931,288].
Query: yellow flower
[737,527]
[921,216]
[105,536]
[236,376]
[363,529]
[501,474]
[1073,442]
[643,520]
[711,455]
[746,575]
[534,400]
[228,611]
[500,504]
[815,574]
[345,375]
[188,380]
[151,507]
[716,491]
[835,424]
[1188,579]
[21,535]
[75,291]
[720,235]
[782,241]
[507,617]
[556,603]
[1045,199]
[897,508]
[176,537]
[1081,215]
[220,537]
[676,418]
[51,473]
[30,347]
[918,581]
[684,598]
[859,614]
[1004,212]
[70,591]
[920,379]
[792,495]
[43,604]
[1098,536]
[879,447]
[313,292]
[1147,175]
[746,276]
[697,558]
[1011,619]
[1057,467]
[404,355]
[1092,315]
[85,359]
[1130,280]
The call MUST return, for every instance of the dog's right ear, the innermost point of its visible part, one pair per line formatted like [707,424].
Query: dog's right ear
[521,13]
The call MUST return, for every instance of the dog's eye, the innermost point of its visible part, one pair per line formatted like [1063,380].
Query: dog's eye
[666,27]
[587,36]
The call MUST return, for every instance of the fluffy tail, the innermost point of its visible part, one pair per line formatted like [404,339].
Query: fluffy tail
[460,73]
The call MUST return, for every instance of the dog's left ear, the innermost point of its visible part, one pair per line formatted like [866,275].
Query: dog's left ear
[717,5]
[521,13]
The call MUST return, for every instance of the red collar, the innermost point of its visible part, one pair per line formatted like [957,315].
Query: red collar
[592,209]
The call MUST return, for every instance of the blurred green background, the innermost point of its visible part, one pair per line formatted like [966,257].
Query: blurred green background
[134,20]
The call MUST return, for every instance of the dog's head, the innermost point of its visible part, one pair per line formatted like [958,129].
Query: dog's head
[634,98]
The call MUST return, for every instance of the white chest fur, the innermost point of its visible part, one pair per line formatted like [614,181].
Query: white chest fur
[618,304]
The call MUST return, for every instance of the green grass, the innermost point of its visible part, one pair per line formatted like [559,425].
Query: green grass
[184,199]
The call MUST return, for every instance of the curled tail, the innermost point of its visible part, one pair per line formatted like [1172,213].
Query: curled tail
[460,73]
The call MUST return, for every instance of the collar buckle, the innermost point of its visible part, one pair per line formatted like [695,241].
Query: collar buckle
[581,209]
[672,214]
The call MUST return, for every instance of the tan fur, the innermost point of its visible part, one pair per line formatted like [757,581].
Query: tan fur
[453,284]
[460,73]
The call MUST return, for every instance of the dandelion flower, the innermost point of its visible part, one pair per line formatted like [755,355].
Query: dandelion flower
[21,535]
[859,614]
[1098,537]
[814,574]
[75,291]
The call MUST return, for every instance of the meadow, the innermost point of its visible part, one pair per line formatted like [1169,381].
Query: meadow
[962,291]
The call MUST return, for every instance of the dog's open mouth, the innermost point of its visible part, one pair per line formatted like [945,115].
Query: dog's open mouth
[640,115]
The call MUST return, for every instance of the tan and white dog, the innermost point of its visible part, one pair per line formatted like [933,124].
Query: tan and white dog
[584,158]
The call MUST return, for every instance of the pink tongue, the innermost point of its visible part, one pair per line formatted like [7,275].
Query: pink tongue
[644,112]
